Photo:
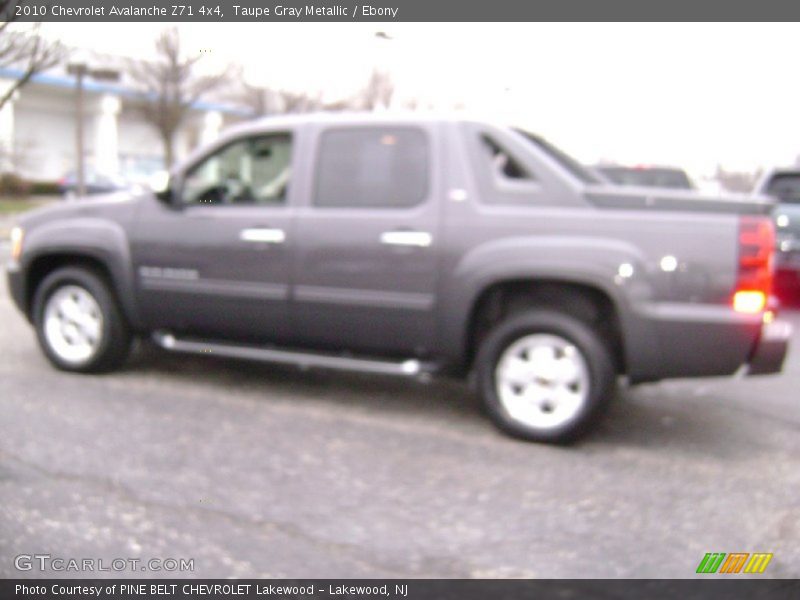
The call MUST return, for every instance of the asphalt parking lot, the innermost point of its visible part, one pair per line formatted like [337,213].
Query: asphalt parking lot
[264,471]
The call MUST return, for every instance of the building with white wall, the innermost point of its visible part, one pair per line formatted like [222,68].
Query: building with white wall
[38,128]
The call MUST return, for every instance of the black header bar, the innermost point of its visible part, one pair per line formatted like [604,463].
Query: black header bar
[401,10]
[398,589]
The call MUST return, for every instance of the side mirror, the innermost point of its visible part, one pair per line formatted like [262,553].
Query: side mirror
[159,184]
[159,181]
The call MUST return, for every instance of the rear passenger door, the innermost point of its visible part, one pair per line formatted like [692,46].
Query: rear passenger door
[367,242]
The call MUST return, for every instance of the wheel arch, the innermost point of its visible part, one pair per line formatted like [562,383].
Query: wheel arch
[586,301]
[45,263]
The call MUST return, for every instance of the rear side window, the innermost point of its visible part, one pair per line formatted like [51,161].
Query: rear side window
[374,167]
[785,187]
[565,160]
[502,163]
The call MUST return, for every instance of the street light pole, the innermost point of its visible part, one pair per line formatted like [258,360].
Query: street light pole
[80,71]
[381,72]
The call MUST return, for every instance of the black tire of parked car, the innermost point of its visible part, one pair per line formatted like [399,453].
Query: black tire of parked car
[115,338]
[595,353]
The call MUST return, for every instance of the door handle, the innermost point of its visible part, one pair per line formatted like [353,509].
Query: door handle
[418,239]
[263,235]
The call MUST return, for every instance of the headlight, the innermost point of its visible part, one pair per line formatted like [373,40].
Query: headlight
[16,242]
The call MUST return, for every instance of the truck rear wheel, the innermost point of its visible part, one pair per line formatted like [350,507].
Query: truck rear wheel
[544,376]
[78,323]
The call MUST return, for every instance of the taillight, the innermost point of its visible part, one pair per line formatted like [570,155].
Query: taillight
[754,277]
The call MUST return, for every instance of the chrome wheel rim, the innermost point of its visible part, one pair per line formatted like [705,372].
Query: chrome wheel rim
[542,380]
[73,324]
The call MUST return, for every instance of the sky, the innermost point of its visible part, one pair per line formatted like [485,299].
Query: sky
[691,95]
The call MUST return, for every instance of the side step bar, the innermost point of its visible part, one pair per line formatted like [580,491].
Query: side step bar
[304,360]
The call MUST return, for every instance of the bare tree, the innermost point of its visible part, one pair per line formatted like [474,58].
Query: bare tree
[259,100]
[737,181]
[264,101]
[28,52]
[170,87]
[418,104]
[300,102]
[377,93]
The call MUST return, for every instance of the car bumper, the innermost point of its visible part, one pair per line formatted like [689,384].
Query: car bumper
[787,279]
[16,285]
[678,340]
[771,348]
[787,259]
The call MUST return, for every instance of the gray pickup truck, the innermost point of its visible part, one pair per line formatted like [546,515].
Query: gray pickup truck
[784,186]
[410,245]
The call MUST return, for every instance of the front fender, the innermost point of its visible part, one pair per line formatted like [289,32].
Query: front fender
[94,238]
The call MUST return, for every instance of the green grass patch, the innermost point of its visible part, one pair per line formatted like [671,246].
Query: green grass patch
[11,207]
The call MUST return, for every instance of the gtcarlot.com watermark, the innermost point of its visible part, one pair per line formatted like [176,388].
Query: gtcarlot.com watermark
[48,562]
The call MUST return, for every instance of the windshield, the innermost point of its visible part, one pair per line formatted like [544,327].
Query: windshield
[564,159]
[785,187]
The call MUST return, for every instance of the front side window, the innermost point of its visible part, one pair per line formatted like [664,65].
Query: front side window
[374,167]
[249,171]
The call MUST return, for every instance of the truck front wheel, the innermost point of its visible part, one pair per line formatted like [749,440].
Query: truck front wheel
[78,323]
[544,376]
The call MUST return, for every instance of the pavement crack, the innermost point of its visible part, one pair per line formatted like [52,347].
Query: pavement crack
[295,532]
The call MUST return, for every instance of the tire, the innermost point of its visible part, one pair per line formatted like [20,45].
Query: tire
[78,322]
[544,376]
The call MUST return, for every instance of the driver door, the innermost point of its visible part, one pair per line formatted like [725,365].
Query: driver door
[216,262]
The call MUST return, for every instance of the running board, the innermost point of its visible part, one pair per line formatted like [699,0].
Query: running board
[304,360]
